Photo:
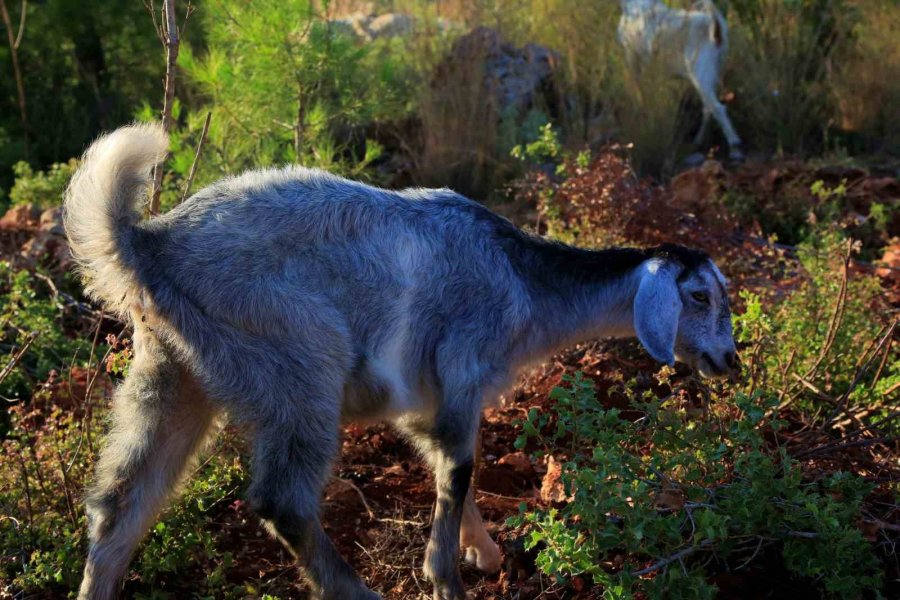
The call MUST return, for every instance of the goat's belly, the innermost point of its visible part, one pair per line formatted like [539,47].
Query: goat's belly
[377,392]
[365,399]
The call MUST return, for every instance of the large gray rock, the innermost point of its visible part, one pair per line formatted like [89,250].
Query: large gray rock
[514,77]
[477,103]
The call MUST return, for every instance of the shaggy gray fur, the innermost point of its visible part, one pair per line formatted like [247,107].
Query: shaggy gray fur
[295,300]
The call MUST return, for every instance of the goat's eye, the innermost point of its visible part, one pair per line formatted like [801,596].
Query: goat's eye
[700,297]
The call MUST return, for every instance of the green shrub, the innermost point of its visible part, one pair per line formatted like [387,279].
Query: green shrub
[283,87]
[814,343]
[41,188]
[27,310]
[667,493]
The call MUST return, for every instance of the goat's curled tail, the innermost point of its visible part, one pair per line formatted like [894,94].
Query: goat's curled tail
[103,203]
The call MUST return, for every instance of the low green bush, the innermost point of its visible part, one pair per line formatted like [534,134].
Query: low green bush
[658,501]
[41,188]
[48,460]
[30,314]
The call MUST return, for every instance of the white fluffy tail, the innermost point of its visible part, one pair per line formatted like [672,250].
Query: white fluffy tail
[104,202]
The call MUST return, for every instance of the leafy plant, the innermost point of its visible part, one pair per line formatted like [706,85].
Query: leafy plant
[681,493]
[283,86]
[41,188]
[545,147]
[30,316]
[811,345]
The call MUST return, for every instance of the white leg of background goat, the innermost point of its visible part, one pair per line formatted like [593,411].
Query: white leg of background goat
[704,76]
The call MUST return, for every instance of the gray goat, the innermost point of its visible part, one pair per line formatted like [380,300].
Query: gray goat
[293,301]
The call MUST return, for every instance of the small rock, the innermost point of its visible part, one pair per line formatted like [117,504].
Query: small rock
[519,462]
[552,489]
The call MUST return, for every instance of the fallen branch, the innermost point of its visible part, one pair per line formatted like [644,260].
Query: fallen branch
[838,446]
[362,498]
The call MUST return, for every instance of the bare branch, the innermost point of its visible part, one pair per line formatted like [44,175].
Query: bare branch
[17,71]
[21,24]
[148,4]
[190,181]
[171,43]
[18,356]
[680,555]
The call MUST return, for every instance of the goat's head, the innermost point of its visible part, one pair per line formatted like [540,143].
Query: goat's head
[682,313]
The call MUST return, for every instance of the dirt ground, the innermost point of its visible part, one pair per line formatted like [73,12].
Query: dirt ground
[378,506]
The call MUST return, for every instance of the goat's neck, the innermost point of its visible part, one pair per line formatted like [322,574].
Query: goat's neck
[578,295]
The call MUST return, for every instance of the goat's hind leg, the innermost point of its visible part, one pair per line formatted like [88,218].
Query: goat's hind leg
[704,76]
[704,128]
[480,550]
[160,420]
[292,460]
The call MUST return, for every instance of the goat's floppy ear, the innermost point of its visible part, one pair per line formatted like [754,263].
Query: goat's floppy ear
[657,308]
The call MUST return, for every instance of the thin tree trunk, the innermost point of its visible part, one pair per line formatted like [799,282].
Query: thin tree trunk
[171,42]
[14,40]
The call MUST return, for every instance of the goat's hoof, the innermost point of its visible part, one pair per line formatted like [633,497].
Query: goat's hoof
[486,559]
[448,585]
[451,591]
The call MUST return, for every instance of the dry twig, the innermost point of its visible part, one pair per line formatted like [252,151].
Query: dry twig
[18,356]
[190,181]
[680,555]
[14,41]
[362,498]
[171,43]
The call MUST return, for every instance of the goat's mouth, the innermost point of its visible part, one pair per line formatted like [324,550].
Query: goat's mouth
[708,368]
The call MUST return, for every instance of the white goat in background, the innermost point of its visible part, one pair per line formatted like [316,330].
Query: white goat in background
[692,42]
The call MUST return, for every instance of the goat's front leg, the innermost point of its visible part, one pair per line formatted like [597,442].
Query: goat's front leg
[452,474]
[447,444]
